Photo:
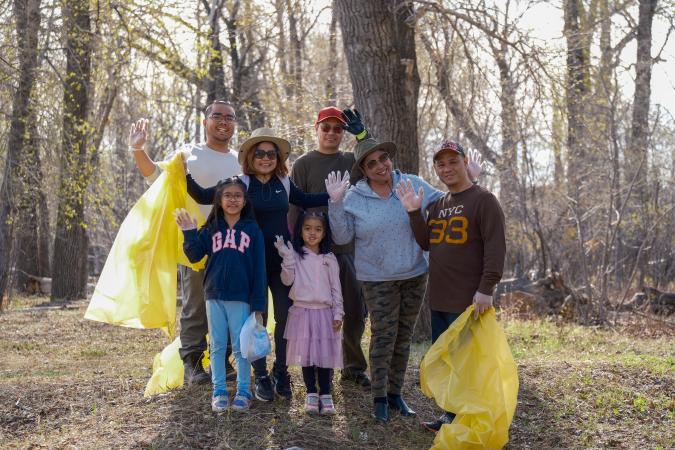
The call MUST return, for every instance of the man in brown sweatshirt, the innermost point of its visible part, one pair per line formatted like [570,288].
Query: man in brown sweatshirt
[464,234]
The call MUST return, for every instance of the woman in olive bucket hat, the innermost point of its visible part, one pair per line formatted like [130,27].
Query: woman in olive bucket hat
[388,261]
[263,161]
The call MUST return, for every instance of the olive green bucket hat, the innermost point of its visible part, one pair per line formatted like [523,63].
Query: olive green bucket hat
[365,148]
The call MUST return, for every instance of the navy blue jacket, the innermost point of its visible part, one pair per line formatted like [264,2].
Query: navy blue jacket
[235,268]
[270,203]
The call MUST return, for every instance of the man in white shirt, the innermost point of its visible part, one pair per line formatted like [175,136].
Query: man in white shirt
[208,163]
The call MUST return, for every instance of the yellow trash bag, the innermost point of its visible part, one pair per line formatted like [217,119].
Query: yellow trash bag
[167,370]
[137,287]
[470,371]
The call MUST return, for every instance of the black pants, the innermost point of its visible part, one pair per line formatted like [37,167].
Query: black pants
[281,303]
[309,376]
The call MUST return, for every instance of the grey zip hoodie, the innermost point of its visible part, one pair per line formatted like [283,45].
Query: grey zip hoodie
[385,247]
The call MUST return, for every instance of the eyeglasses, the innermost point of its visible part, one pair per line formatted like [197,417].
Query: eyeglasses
[383,158]
[233,197]
[260,154]
[337,129]
[217,117]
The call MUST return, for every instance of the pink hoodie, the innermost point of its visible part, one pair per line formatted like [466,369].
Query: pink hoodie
[315,281]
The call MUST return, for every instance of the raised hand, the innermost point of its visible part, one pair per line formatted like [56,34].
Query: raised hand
[410,200]
[354,123]
[475,166]
[184,220]
[138,133]
[285,249]
[337,185]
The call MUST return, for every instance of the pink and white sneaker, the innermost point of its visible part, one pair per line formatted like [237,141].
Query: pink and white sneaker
[312,403]
[327,405]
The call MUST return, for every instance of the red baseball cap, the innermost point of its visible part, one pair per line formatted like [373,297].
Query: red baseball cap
[328,112]
[448,145]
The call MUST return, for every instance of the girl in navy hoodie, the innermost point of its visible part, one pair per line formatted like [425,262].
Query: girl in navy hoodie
[234,284]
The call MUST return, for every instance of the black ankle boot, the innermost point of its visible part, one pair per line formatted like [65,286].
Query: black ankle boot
[398,404]
[381,413]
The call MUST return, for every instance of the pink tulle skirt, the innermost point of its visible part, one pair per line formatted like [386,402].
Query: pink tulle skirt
[310,339]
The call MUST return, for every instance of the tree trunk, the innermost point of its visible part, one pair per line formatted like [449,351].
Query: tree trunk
[32,237]
[70,242]
[27,16]
[379,42]
[216,81]
[640,123]
[330,92]
[577,88]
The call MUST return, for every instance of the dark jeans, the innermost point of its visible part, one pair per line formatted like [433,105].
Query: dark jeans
[309,376]
[281,303]
[440,321]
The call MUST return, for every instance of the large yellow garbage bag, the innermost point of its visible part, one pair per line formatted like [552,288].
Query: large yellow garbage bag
[470,371]
[137,287]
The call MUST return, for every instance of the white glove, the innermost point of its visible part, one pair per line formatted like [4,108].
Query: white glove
[482,303]
[184,220]
[337,185]
[138,133]
[285,249]
[475,166]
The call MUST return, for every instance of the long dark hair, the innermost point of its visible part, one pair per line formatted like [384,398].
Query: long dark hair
[217,214]
[326,242]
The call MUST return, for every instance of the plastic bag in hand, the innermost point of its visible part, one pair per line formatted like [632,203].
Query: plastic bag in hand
[253,340]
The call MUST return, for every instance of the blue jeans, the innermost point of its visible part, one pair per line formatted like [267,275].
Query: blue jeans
[226,318]
[440,321]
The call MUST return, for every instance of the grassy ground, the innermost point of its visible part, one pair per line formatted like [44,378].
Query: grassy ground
[66,382]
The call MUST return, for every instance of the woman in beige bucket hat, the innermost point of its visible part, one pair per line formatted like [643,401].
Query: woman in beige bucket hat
[269,189]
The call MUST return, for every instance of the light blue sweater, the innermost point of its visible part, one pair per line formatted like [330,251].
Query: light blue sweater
[385,248]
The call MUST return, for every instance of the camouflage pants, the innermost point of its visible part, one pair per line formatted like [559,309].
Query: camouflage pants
[393,308]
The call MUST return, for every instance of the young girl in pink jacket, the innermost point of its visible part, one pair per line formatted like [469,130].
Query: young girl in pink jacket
[314,321]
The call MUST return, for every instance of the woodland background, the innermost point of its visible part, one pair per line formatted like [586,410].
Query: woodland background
[580,147]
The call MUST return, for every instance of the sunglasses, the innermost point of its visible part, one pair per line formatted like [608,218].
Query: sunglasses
[337,129]
[383,158]
[261,154]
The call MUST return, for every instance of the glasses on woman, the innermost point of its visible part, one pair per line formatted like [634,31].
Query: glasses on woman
[383,158]
[261,154]
[337,129]
[233,197]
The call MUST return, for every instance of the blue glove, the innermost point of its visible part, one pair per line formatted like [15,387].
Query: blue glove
[354,124]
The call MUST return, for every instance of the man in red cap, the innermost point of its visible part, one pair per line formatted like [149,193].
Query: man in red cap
[309,174]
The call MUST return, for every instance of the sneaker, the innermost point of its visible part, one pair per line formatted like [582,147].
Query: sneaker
[312,403]
[435,426]
[220,403]
[360,378]
[263,389]
[241,402]
[230,373]
[327,405]
[282,385]
[194,371]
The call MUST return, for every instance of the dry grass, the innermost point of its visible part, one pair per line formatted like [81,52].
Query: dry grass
[70,383]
